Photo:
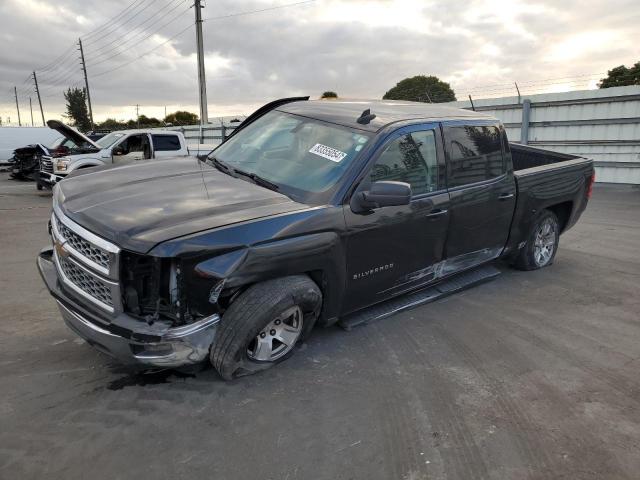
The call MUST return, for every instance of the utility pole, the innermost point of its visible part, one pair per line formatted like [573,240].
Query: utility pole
[86,82]
[31,108]
[518,90]
[138,114]
[35,80]
[15,90]
[202,82]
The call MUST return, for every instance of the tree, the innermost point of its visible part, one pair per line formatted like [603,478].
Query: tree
[181,118]
[150,122]
[621,76]
[111,124]
[329,94]
[421,89]
[77,111]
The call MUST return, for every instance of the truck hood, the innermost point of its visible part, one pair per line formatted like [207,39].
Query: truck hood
[71,133]
[140,205]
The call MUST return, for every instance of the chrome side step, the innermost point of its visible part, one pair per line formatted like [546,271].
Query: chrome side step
[455,284]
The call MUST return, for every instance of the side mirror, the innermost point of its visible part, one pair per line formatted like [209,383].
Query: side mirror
[117,151]
[382,194]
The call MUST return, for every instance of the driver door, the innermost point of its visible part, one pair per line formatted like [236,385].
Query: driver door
[391,250]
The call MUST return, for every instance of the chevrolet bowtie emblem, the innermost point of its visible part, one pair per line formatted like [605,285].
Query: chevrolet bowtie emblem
[60,250]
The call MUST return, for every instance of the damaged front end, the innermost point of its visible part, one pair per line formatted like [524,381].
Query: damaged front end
[26,162]
[133,307]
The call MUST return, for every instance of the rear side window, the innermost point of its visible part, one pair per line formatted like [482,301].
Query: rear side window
[165,142]
[412,159]
[475,154]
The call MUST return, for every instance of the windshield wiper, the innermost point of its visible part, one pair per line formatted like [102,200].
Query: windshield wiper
[258,180]
[223,167]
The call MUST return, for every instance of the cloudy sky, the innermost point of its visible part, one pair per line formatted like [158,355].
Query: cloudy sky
[143,52]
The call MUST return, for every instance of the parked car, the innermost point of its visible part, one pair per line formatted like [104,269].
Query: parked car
[310,213]
[115,147]
[25,163]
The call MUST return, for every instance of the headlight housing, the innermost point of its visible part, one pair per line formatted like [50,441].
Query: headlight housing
[61,164]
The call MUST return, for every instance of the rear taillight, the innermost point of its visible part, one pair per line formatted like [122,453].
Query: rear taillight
[592,180]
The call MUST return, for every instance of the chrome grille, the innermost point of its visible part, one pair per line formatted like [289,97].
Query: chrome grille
[86,263]
[83,247]
[86,282]
[46,165]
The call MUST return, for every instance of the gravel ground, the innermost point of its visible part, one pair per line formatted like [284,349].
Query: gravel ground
[534,375]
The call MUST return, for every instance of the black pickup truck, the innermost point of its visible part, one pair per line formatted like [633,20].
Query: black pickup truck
[310,213]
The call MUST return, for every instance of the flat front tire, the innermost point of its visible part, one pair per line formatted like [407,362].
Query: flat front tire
[542,243]
[263,325]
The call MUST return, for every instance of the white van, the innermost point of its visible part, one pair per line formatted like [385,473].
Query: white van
[116,147]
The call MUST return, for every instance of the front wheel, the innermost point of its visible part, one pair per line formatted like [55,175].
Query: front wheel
[263,325]
[542,243]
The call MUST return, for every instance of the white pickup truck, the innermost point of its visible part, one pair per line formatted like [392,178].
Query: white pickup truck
[116,147]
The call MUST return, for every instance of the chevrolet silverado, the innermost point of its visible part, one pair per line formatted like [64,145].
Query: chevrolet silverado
[310,213]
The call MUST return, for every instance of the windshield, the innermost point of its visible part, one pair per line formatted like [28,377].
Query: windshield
[293,151]
[110,139]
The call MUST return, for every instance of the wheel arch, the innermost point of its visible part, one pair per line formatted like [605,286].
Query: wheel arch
[87,163]
[317,255]
[563,212]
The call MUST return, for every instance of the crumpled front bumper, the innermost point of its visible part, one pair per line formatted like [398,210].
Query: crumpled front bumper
[49,179]
[148,346]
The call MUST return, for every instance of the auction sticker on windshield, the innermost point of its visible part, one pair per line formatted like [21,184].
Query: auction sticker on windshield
[327,152]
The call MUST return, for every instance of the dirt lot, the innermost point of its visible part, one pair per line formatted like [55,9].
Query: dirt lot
[534,375]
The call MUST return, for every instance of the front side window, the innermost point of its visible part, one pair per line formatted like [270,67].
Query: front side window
[410,158]
[294,152]
[133,144]
[475,154]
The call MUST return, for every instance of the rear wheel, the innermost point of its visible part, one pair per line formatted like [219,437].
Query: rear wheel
[542,243]
[264,324]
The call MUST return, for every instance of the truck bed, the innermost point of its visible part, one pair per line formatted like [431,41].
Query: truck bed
[546,179]
[525,156]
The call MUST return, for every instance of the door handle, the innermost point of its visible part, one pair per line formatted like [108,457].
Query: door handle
[437,213]
[505,196]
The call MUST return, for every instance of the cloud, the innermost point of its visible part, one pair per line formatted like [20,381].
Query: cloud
[359,48]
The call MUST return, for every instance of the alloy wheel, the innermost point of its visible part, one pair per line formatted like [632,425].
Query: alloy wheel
[278,337]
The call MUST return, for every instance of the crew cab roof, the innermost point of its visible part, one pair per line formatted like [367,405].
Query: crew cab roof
[147,130]
[347,112]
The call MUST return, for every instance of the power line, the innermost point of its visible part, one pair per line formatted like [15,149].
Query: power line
[139,40]
[54,63]
[111,20]
[250,12]
[142,40]
[99,49]
[62,76]
[62,80]
[120,25]
[104,72]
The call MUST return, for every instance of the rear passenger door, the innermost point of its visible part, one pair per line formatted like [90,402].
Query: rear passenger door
[165,144]
[482,194]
